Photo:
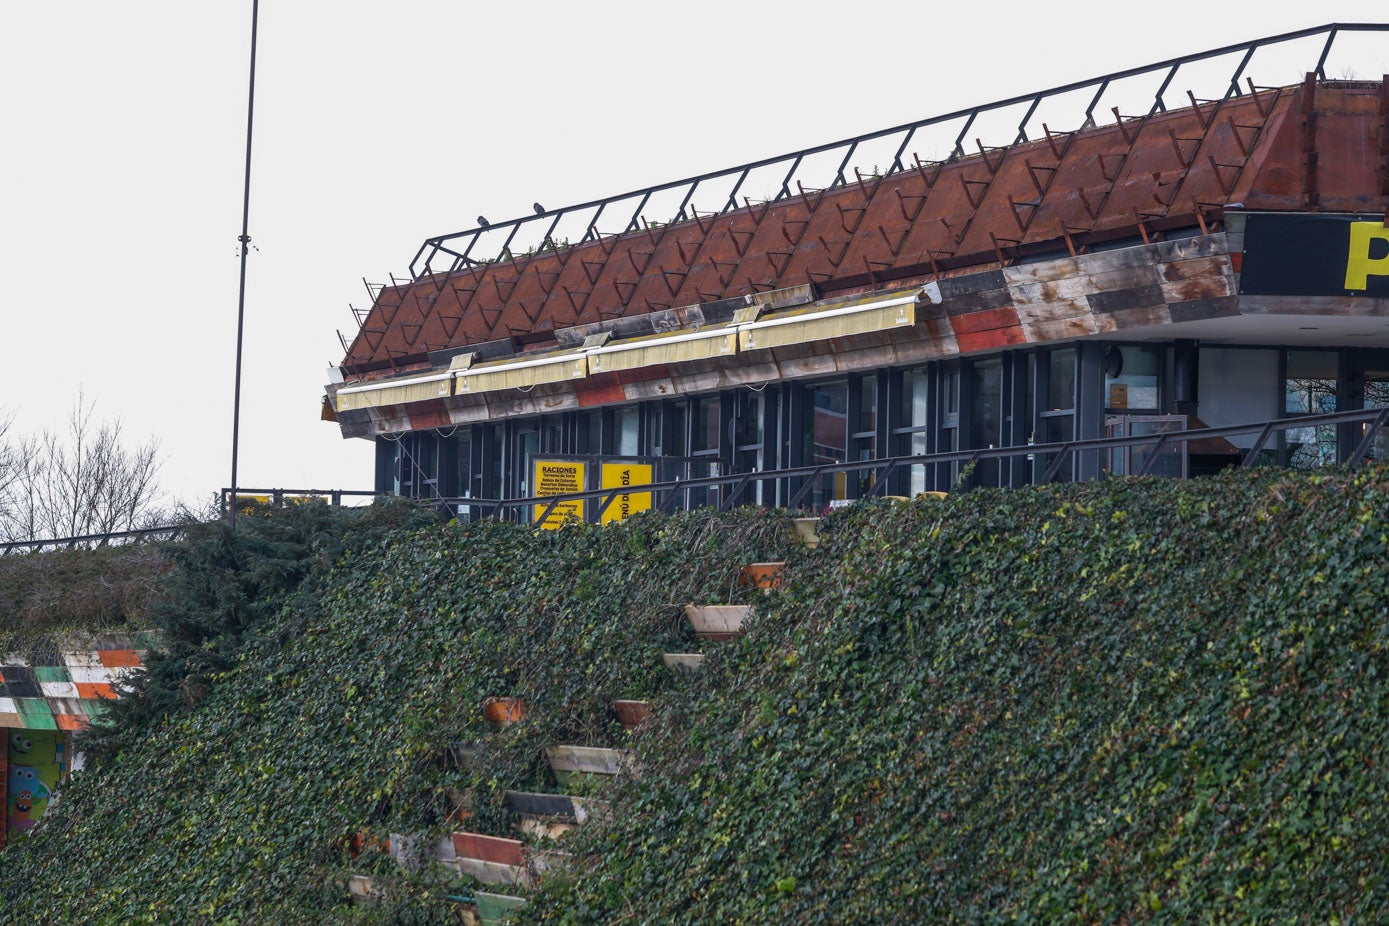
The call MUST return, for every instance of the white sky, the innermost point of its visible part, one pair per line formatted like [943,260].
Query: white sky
[379,124]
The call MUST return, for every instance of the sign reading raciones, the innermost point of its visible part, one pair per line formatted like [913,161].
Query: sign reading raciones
[559,477]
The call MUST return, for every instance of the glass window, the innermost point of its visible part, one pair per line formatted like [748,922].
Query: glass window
[628,424]
[1131,377]
[831,423]
[678,426]
[913,411]
[1310,389]
[706,433]
[1061,379]
[985,402]
[865,436]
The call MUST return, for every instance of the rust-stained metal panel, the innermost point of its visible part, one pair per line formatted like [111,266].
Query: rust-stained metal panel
[1055,196]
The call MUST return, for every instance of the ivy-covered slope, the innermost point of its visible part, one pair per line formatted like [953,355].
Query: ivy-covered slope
[1137,701]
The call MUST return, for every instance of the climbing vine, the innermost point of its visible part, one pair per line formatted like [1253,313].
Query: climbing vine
[1143,700]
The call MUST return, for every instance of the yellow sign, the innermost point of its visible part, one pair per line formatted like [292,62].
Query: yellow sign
[1360,266]
[558,477]
[620,476]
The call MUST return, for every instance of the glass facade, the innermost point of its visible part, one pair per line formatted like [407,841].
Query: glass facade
[1051,395]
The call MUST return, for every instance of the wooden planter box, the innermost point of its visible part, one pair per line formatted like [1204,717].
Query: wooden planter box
[359,887]
[570,762]
[503,711]
[494,872]
[762,576]
[489,848]
[550,816]
[717,621]
[682,662]
[631,713]
[559,806]
[806,531]
[493,908]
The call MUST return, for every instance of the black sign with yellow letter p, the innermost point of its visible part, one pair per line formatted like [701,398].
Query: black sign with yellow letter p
[1315,255]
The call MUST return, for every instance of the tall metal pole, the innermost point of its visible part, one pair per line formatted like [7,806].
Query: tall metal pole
[245,240]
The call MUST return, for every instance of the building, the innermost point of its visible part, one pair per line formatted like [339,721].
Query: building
[1174,259]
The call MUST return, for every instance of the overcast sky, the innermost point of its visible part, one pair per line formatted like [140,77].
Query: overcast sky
[380,124]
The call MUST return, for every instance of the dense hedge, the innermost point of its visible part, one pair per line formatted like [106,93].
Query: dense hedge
[75,592]
[1138,701]
[239,806]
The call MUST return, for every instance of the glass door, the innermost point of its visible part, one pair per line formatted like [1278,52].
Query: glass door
[1370,382]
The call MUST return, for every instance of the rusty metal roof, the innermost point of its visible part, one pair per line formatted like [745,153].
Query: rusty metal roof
[1320,145]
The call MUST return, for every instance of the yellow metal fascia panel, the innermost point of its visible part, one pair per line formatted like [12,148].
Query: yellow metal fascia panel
[374,396]
[823,326]
[520,374]
[653,351]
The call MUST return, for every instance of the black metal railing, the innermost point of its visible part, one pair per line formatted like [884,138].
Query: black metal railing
[279,497]
[537,231]
[1050,460]
[92,541]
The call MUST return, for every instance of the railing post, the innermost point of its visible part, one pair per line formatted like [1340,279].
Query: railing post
[1259,442]
[1056,464]
[1367,441]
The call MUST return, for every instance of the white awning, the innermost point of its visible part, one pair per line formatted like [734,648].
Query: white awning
[393,392]
[664,348]
[519,374]
[801,327]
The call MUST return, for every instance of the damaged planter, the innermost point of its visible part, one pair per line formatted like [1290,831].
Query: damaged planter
[682,662]
[762,576]
[806,531]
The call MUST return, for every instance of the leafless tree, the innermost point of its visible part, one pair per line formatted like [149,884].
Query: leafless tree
[77,480]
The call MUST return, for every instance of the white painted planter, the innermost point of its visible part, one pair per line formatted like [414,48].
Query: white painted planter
[806,531]
[717,621]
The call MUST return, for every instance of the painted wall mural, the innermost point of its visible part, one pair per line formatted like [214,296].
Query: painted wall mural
[38,762]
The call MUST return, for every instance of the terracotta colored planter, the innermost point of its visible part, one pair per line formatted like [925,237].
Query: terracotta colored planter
[489,848]
[717,621]
[631,713]
[763,576]
[682,662]
[503,711]
[805,531]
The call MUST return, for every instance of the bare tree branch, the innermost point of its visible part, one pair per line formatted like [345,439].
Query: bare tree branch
[81,479]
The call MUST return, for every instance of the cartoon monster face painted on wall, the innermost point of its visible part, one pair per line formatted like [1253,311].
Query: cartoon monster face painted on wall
[20,744]
[25,789]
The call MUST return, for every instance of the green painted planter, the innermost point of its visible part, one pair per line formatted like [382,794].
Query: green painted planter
[494,908]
